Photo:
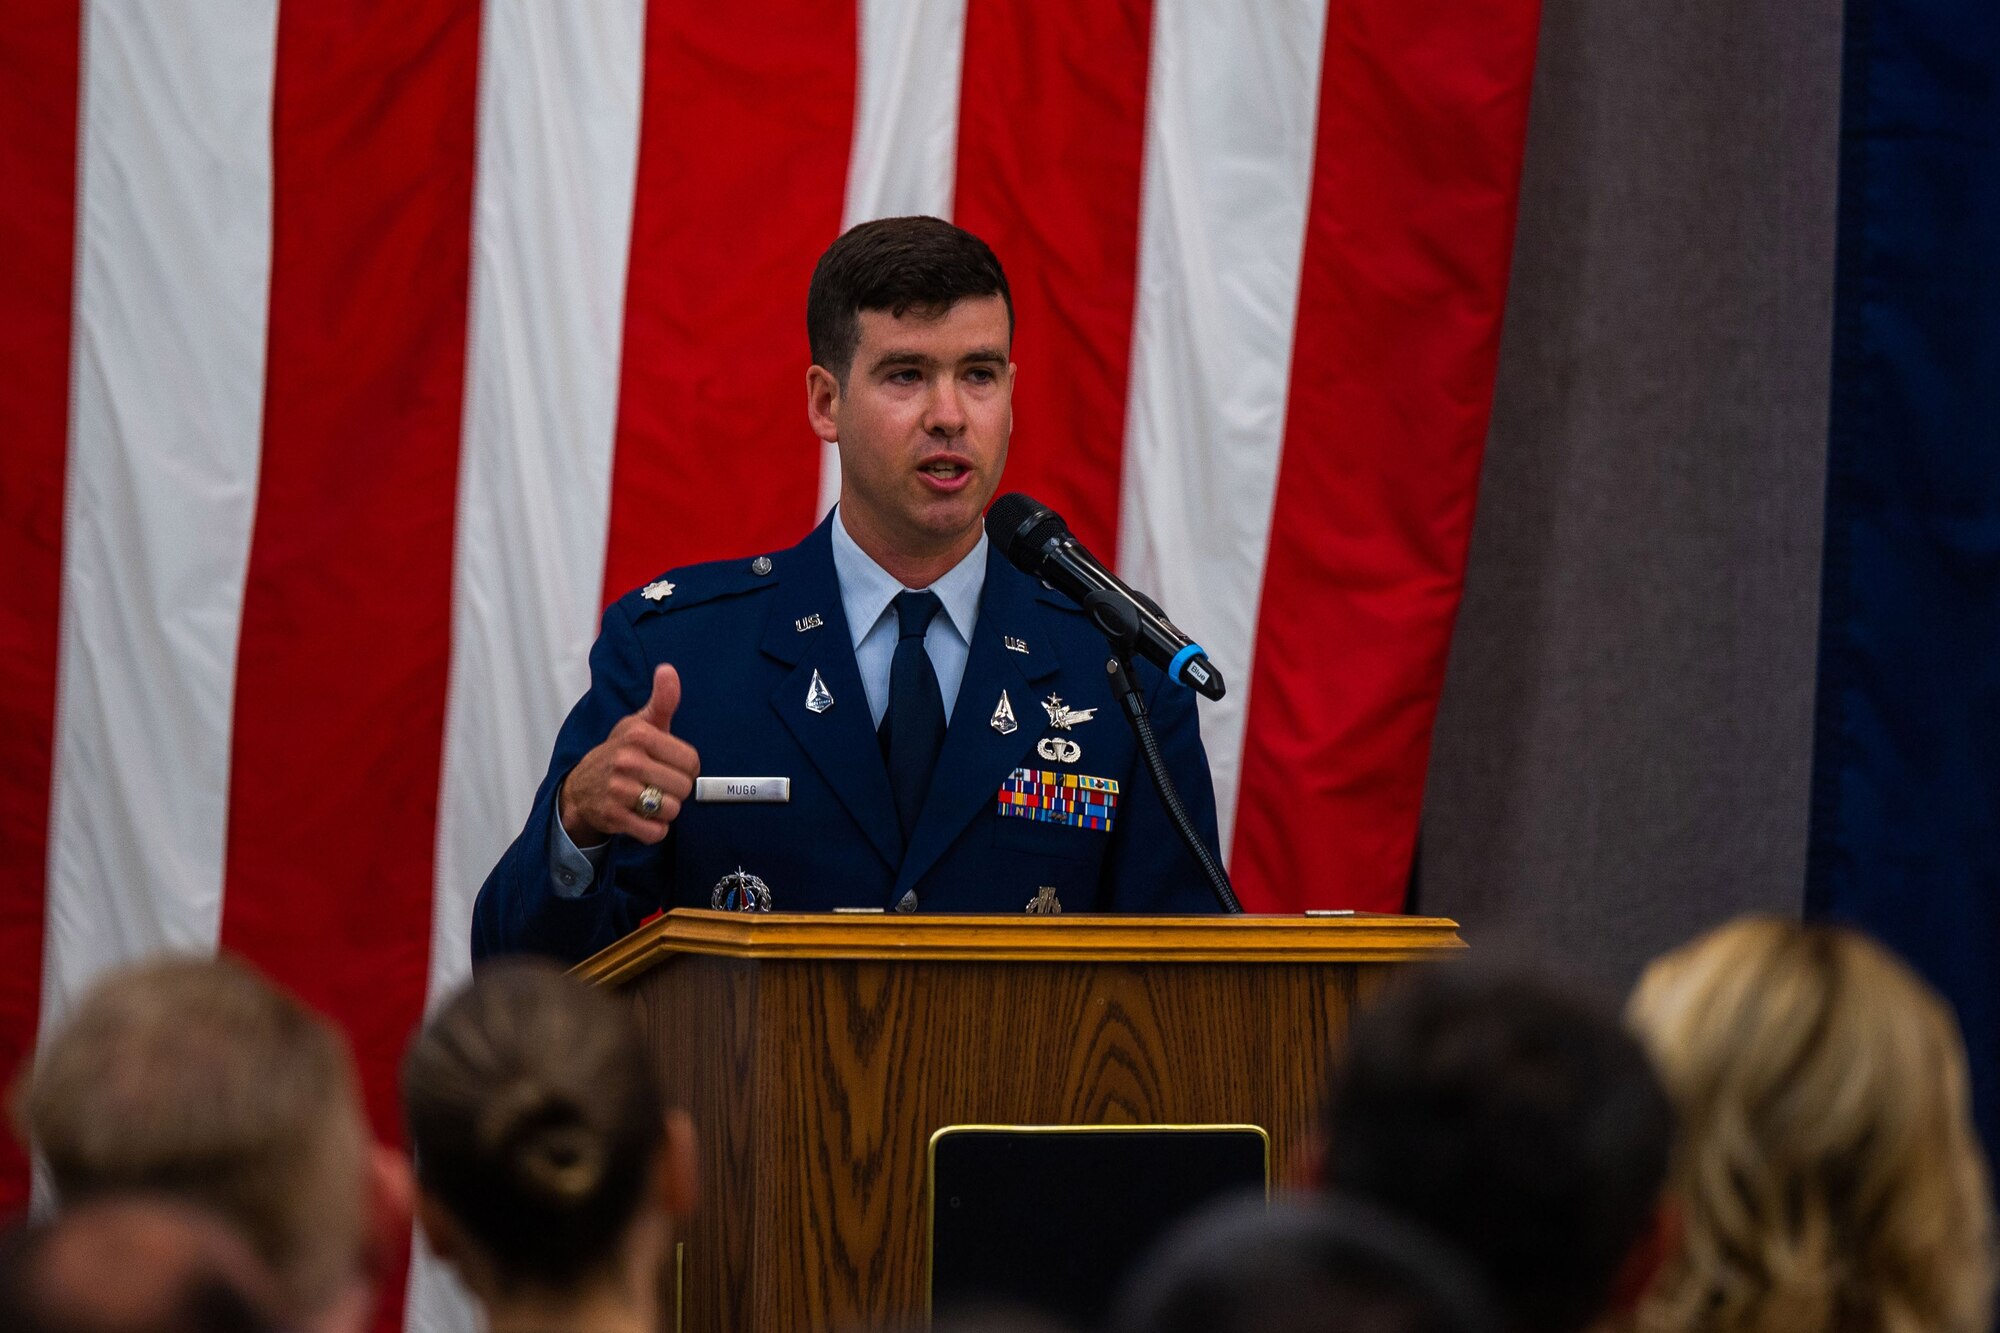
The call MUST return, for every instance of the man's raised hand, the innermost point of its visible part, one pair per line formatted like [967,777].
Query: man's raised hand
[602,794]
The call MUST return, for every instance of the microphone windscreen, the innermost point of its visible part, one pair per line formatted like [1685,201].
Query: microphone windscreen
[1018,523]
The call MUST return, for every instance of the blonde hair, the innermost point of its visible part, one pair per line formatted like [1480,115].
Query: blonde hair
[198,1079]
[1827,1162]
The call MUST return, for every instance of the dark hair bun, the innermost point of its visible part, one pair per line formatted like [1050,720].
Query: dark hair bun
[534,1120]
[544,1143]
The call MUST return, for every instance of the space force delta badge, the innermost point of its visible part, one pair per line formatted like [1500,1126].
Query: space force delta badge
[1075,799]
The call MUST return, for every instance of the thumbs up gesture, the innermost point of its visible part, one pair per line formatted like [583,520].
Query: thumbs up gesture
[634,783]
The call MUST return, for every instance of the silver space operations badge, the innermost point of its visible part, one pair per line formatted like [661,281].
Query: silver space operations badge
[818,697]
[740,891]
[1002,720]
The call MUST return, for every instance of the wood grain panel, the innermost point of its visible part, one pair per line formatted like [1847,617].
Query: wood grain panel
[700,1022]
[817,1081]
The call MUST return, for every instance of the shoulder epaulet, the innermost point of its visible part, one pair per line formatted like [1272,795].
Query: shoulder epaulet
[692,585]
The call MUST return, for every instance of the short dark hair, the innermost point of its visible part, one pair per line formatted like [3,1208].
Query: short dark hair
[534,1120]
[1514,1117]
[1336,1267]
[899,265]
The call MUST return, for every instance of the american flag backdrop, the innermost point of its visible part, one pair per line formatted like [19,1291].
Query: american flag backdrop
[352,355]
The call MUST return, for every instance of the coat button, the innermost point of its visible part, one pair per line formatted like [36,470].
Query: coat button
[908,902]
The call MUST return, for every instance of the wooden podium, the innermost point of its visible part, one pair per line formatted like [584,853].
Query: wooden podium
[818,1053]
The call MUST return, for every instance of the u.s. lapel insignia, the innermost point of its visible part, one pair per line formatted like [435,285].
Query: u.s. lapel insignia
[1045,902]
[1059,750]
[657,591]
[1002,720]
[1012,644]
[818,697]
[1062,717]
[805,623]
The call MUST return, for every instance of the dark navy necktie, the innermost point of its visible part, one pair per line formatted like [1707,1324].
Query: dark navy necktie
[913,725]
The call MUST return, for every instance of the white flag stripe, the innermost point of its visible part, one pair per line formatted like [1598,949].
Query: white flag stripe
[558,152]
[558,146]
[905,155]
[1232,103]
[167,387]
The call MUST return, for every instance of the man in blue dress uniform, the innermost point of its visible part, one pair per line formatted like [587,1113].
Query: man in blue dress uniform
[888,715]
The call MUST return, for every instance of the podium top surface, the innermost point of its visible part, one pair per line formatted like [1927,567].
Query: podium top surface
[1071,937]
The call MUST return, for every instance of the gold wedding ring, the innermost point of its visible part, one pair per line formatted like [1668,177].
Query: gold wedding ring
[649,800]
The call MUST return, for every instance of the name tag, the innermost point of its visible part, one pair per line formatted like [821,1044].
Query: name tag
[774,791]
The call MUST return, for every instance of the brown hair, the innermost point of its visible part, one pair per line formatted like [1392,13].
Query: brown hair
[198,1079]
[899,265]
[1827,1165]
[534,1120]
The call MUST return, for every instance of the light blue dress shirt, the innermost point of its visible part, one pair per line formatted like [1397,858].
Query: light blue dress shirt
[868,597]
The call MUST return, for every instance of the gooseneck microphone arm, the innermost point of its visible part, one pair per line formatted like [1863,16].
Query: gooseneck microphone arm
[1133,701]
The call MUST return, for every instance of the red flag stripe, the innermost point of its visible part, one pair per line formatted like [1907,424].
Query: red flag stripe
[341,679]
[1423,110]
[1050,150]
[743,146]
[39,51]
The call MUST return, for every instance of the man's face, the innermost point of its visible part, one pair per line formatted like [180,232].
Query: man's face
[922,424]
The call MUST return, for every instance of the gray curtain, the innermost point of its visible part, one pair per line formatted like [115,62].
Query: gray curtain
[1622,752]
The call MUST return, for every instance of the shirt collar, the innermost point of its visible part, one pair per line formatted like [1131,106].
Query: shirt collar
[867,589]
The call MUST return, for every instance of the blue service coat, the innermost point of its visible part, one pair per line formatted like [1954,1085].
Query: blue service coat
[746,645]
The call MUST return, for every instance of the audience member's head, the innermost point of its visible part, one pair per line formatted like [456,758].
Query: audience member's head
[199,1080]
[1519,1122]
[1827,1165]
[548,1169]
[134,1265]
[1336,1267]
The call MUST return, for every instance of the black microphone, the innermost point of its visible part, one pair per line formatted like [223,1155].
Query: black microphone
[1036,540]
